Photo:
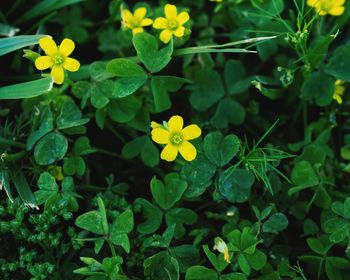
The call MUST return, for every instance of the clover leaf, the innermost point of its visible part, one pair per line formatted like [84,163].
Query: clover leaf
[244,243]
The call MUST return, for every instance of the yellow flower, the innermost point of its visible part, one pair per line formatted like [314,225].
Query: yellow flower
[175,137]
[172,23]
[57,58]
[221,246]
[56,171]
[331,7]
[136,21]
[339,90]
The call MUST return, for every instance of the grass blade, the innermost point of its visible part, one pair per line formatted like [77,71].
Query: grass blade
[11,44]
[27,89]
[44,7]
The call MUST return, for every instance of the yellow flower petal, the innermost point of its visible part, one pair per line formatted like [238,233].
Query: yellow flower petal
[321,13]
[160,23]
[339,2]
[312,3]
[227,256]
[165,36]
[182,18]
[57,73]
[155,124]
[127,15]
[160,135]
[175,123]
[140,13]
[338,99]
[48,45]
[188,151]
[71,64]
[337,11]
[137,30]
[169,153]
[179,32]
[43,62]
[146,22]
[170,11]
[66,48]
[191,132]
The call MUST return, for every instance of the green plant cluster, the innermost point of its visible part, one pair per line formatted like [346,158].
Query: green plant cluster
[84,192]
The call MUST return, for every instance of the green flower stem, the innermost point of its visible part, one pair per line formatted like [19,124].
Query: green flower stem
[111,246]
[115,132]
[91,187]
[13,157]
[12,143]
[108,153]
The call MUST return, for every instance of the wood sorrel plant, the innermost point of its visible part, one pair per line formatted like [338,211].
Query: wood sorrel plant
[185,140]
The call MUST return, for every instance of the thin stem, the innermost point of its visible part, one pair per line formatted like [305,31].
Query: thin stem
[12,143]
[12,157]
[111,246]
[108,153]
[116,133]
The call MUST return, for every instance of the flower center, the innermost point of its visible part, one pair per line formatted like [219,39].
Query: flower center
[173,24]
[58,60]
[135,23]
[176,138]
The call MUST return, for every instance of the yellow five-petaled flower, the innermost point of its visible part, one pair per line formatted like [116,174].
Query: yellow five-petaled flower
[172,23]
[176,138]
[331,7]
[57,58]
[136,21]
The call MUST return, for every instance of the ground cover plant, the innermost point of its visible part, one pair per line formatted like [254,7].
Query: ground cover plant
[196,140]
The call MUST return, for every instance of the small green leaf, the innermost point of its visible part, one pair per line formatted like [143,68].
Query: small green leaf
[50,148]
[126,86]
[146,47]
[124,223]
[257,260]
[220,150]
[234,73]
[48,187]
[200,273]
[161,86]
[152,214]
[74,165]
[121,240]
[317,246]
[228,112]
[275,223]
[339,64]
[161,266]
[318,87]
[70,116]
[170,192]
[304,175]
[122,67]
[90,221]
[243,264]
[235,185]
[206,91]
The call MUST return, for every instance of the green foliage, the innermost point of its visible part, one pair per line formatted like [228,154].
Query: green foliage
[84,190]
